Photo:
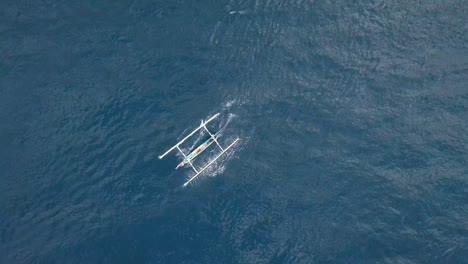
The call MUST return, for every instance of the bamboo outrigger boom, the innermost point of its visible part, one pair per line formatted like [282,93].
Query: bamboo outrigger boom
[188,158]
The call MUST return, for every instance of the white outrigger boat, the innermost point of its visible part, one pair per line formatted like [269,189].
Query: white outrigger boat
[192,155]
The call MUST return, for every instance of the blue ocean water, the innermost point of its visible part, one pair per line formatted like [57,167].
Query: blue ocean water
[352,118]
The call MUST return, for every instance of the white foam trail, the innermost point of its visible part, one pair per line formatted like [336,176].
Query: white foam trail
[230,117]
[229,104]
[213,35]
[240,12]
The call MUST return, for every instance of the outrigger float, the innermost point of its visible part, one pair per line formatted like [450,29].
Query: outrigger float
[192,155]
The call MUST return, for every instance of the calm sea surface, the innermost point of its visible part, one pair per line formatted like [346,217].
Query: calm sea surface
[352,118]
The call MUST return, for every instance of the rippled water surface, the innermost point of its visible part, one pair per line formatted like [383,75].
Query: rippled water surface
[352,115]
